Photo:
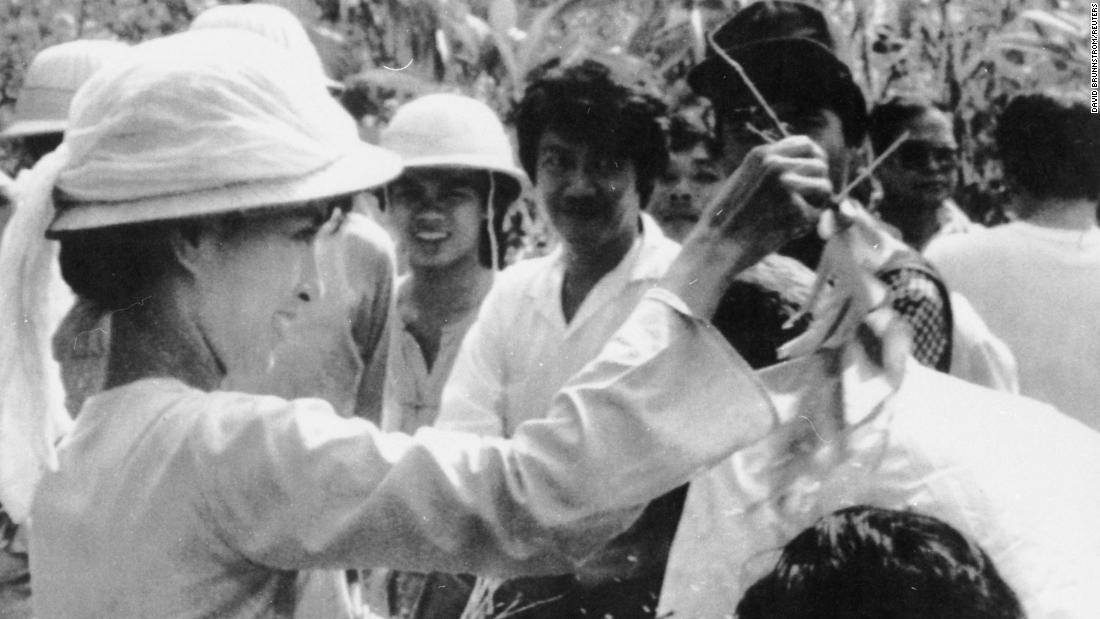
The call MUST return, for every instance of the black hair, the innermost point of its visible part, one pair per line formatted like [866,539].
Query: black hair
[30,148]
[689,128]
[1050,144]
[888,119]
[117,267]
[588,101]
[864,562]
[753,313]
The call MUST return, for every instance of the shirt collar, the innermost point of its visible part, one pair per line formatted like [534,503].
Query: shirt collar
[652,260]
[648,258]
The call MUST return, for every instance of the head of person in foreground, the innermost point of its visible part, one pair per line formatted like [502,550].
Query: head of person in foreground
[865,562]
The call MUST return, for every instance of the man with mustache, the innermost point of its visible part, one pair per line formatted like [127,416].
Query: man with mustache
[594,146]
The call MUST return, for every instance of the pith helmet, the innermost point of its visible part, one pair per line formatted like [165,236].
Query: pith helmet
[453,131]
[55,74]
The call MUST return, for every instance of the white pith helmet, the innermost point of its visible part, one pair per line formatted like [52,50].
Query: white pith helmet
[446,130]
[52,79]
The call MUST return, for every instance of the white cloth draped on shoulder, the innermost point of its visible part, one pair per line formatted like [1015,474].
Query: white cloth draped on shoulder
[33,301]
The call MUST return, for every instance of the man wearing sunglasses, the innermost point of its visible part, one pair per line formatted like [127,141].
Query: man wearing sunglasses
[919,178]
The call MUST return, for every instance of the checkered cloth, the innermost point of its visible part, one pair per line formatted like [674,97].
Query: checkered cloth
[917,297]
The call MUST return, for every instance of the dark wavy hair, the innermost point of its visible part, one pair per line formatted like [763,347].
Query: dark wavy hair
[588,101]
[117,267]
[1050,144]
[864,562]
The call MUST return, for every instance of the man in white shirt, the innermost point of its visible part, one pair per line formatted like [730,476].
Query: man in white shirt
[594,147]
[1036,281]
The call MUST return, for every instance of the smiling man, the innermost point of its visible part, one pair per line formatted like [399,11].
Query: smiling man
[460,177]
[594,147]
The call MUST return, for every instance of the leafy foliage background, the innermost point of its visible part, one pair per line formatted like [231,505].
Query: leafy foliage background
[971,56]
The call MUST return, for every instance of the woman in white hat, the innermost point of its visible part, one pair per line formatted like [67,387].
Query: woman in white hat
[191,183]
[337,350]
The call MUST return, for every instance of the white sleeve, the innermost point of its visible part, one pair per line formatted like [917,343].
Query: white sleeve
[472,399]
[291,485]
[978,356]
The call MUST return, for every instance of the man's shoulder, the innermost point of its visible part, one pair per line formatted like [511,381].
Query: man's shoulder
[526,275]
[979,242]
[952,414]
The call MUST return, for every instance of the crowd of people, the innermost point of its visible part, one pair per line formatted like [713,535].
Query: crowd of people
[257,367]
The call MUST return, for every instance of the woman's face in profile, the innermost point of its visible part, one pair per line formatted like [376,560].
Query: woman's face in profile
[255,276]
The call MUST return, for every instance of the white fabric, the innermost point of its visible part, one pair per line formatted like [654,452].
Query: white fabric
[249,116]
[1038,289]
[172,502]
[274,23]
[845,289]
[520,350]
[978,356]
[413,391]
[33,300]
[1015,476]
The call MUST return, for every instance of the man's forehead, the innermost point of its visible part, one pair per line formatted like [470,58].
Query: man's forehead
[931,126]
[561,138]
[441,176]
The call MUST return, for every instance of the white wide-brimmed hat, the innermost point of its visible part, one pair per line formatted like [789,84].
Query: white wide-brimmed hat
[54,76]
[273,23]
[206,122]
[446,130]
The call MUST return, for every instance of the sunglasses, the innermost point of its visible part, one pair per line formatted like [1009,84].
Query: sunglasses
[915,155]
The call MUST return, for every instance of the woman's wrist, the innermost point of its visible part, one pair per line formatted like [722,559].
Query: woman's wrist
[703,271]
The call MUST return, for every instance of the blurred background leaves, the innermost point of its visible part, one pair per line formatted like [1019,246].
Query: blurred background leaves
[970,56]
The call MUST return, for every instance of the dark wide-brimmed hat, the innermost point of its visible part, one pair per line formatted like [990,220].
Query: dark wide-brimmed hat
[789,52]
